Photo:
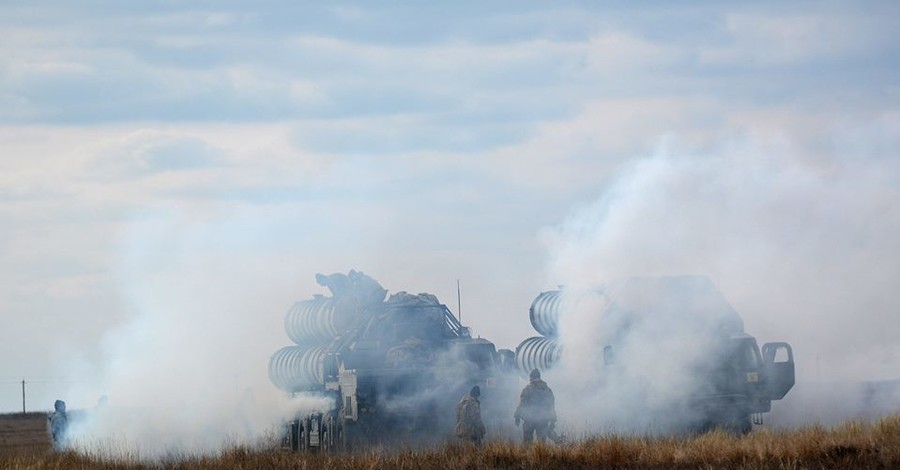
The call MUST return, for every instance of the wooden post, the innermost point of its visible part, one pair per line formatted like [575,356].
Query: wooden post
[23,396]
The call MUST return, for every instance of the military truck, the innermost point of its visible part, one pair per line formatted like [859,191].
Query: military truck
[392,368]
[681,326]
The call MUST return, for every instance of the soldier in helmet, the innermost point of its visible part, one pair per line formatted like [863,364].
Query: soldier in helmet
[537,409]
[469,426]
[59,422]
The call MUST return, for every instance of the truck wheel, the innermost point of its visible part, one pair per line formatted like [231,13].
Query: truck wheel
[738,425]
[332,432]
[743,425]
[347,436]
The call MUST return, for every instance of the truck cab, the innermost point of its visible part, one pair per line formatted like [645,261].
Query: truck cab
[743,379]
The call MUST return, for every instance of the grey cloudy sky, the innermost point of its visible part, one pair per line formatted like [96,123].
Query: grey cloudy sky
[173,174]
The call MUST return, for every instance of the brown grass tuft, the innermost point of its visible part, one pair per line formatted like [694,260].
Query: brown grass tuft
[850,445]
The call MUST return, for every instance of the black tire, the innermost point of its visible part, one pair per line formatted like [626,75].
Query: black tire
[740,425]
[743,425]
[346,436]
[330,442]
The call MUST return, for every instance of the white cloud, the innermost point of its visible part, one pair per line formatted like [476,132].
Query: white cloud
[760,40]
[573,154]
[622,53]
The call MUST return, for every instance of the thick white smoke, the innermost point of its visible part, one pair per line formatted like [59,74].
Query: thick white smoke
[185,372]
[806,248]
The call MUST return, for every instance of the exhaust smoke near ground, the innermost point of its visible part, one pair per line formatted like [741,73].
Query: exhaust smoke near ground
[806,250]
[184,374]
[636,353]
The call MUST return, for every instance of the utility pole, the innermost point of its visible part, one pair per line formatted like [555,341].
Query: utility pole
[23,396]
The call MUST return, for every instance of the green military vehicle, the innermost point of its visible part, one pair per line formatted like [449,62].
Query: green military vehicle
[674,336]
[390,369]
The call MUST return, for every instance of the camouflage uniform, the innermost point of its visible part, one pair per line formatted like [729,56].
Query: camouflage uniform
[536,409]
[469,426]
[59,421]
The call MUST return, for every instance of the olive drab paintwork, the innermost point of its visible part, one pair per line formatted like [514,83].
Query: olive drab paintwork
[391,369]
[469,425]
[59,423]
[537,409]
[734,380]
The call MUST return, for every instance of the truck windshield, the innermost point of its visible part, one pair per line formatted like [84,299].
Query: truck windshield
[747,356]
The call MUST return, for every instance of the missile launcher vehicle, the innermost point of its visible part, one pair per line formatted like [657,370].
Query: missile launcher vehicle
[683,322]
[392,367]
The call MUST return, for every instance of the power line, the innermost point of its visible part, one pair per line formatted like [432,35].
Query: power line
[24,382]
[40,381]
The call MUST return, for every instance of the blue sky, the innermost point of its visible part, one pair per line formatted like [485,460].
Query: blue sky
[174,156]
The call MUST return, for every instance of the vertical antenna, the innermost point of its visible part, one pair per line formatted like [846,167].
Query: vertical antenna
[458,302]
[23,396]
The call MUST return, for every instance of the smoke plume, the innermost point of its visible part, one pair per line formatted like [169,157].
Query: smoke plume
[806,250]
[184,373]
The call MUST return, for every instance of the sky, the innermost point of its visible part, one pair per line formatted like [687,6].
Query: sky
[173,174]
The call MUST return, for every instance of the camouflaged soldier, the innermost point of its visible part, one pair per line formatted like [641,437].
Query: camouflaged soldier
[59,422]
[537,409]
[469,426]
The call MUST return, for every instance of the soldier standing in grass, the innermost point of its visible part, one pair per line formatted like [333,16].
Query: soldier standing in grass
[59,422]
[537,409]
[469,426]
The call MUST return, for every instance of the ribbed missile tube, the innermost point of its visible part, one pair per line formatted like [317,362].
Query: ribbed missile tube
[314,320]
[537,352]
[544,312]
[296,368]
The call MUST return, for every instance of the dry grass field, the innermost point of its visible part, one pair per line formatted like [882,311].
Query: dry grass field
[23,434]
[851,445]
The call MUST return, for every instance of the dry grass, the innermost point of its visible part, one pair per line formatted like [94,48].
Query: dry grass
[23,434]
[852,445]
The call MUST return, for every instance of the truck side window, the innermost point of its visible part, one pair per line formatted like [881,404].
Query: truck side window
[781,355]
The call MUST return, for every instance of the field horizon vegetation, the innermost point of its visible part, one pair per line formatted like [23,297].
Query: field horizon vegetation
[852,444]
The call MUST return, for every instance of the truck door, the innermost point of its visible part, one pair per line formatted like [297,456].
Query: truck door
[778,363]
